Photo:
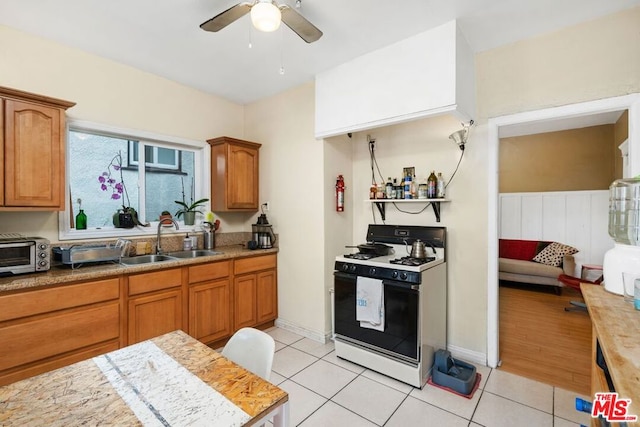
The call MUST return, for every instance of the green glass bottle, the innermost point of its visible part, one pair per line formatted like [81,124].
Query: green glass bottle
[81,220]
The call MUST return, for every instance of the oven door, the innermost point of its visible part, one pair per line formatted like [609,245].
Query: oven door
[17,257]
[400,336]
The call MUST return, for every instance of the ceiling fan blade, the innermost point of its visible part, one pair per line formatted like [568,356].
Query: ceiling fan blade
[225,18]
[305,29]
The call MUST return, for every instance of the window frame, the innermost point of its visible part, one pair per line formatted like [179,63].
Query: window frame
[176,167]
[202,167]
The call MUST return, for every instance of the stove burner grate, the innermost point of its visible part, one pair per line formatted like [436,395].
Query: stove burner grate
[407,260]
[361,256]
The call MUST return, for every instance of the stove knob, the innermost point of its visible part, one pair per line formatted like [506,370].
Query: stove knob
[353,268]
[372,271]
[345,267]
[394,274]
[403,276]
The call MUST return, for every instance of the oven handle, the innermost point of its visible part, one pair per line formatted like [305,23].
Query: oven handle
[391,283]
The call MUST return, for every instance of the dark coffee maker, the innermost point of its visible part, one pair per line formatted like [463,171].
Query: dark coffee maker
[263,233]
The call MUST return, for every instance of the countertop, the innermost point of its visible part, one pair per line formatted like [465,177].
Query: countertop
[63,274]
[172,377]
[617,325]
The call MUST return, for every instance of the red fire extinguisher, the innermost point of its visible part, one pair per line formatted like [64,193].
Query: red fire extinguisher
[340,194]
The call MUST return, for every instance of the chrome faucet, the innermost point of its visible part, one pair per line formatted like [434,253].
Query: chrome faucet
[158,246]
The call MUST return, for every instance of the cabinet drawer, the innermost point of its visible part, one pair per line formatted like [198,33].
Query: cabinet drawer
[29,303]
[211,271]
[247,265]
[147,282]
[29,371]
[59,333]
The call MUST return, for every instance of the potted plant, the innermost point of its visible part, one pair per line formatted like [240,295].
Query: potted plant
[166,215]
[127,217]
[190,209]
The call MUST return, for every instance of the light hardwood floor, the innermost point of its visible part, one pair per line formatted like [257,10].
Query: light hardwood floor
[541,341]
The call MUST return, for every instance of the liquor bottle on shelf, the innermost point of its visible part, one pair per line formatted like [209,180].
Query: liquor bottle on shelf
[407,187]
[432,186]
[441,186]
[388,188]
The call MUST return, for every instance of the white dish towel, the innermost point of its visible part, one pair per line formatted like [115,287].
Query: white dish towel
[370,303]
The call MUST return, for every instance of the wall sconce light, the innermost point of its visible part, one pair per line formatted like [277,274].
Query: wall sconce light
[266,16]
[460,136]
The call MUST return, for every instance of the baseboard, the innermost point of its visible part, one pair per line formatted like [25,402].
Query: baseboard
[468,355]
[307,333]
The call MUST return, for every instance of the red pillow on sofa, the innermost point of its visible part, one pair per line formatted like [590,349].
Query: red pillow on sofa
[518,249]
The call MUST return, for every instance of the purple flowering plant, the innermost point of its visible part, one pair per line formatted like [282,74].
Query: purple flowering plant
[112,181]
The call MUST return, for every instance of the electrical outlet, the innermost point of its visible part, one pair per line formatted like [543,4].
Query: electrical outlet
[265,205]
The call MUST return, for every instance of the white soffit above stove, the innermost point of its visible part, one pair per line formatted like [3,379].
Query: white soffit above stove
[164,38]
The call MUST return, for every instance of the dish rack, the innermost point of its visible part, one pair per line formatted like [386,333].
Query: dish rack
[78,255]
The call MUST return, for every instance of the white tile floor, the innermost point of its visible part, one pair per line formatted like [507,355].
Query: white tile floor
[327,391]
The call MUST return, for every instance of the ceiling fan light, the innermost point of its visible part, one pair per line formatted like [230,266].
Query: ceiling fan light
[265,16]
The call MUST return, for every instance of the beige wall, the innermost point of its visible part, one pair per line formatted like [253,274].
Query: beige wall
[108,93]
[594,60]
[570,160]
[292,180]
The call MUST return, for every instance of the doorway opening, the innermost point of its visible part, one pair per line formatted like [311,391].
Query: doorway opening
[535,122]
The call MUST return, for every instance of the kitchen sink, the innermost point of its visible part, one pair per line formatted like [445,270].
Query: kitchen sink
[145,259]
[194,253]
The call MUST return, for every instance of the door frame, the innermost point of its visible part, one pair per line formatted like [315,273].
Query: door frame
[626,102]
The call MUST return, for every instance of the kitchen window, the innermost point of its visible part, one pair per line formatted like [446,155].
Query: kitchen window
[109,168]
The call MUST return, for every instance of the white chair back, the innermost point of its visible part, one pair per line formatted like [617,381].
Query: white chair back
[253,350]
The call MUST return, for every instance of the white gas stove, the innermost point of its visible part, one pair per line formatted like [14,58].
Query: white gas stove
[414,293]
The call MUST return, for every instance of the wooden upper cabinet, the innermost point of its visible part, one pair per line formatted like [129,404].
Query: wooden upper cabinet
[33,140]
[234,174]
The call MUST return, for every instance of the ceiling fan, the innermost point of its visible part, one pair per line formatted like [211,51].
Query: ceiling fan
[266,16]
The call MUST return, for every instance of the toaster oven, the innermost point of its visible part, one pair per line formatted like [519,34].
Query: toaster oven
[20,255]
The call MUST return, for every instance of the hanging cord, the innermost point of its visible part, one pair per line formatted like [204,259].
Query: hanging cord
[373,161]
[456,170]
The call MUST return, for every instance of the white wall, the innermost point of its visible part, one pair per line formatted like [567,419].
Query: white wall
[108,93]
[576,218]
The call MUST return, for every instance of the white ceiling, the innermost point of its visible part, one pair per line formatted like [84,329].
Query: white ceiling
[163,36]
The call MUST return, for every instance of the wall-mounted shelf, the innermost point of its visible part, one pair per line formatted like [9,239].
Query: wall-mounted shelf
[435,203]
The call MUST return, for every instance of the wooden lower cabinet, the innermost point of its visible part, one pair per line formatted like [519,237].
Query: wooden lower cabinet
[210,301]
[245,301]
[255,299]
[267,296]
[154,305]
[44,329]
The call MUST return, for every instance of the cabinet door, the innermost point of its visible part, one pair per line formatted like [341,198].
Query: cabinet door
[242,179]
[210,310]
[34,155]
[153,315]
[244,301]
[267,297]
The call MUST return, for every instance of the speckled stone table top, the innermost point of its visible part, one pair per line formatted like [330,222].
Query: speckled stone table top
[169,380]
[617,325]
[63,274]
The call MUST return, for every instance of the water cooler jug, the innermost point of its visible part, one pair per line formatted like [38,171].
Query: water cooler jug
[624,228]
